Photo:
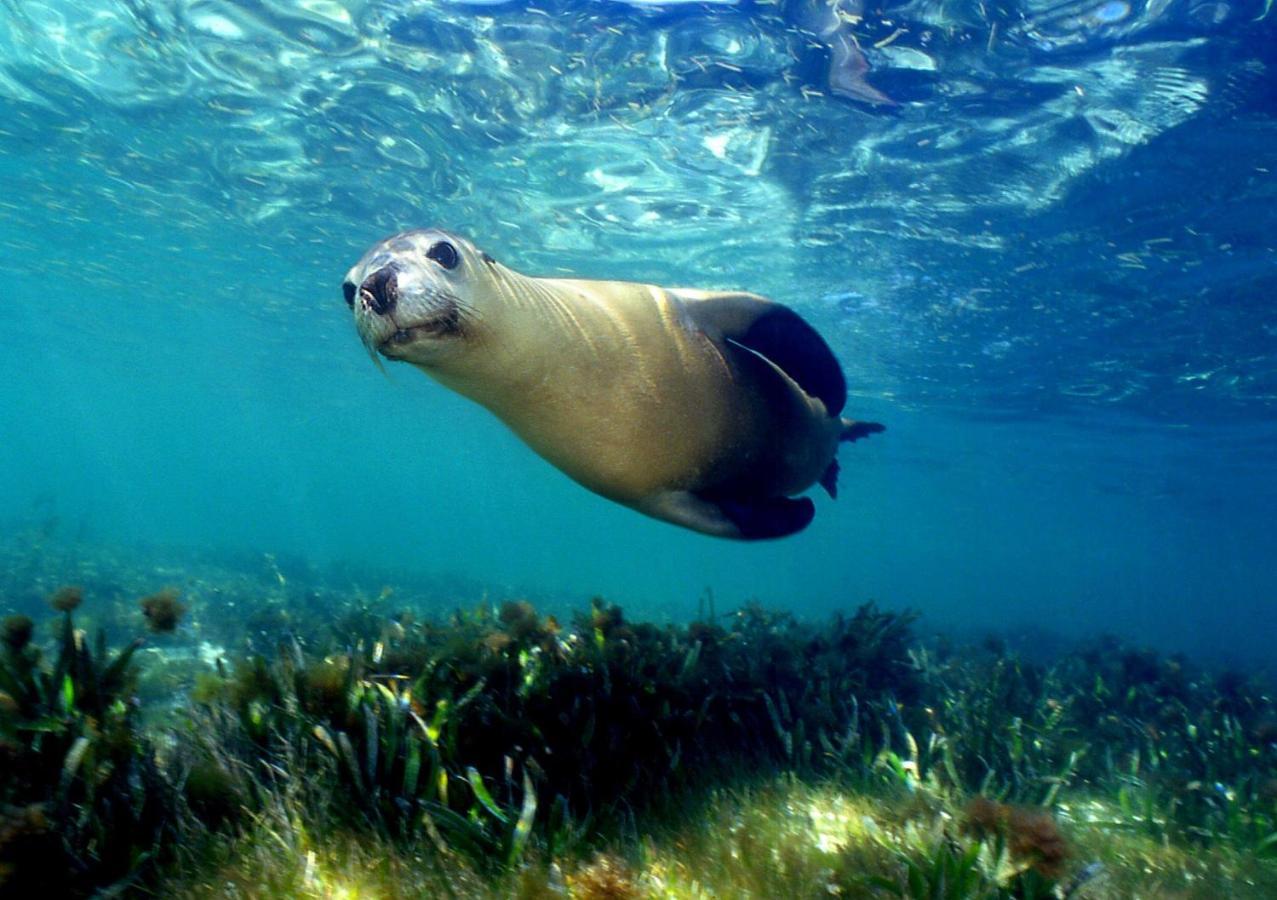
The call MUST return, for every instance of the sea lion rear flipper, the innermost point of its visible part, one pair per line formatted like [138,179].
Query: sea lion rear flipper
[774,332]
[753,519]
[854,431]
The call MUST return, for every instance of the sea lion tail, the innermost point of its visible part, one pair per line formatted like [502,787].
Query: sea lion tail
[854,431]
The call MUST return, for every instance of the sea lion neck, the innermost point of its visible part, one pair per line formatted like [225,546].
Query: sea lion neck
[512,345]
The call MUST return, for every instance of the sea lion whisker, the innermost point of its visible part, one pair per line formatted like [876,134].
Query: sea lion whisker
[369,346]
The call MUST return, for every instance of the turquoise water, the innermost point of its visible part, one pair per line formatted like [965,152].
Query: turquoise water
[1048,268]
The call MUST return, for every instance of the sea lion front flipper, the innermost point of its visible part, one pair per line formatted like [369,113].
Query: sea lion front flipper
[768,517]
[848,69]
[773,331]
[854,431]
[752,519]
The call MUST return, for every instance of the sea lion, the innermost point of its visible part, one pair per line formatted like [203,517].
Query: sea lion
[832,22]
[708,410]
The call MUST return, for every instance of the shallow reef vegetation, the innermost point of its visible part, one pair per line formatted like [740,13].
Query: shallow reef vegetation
[379,750]
[82,801]
[1188,756]
[474,732]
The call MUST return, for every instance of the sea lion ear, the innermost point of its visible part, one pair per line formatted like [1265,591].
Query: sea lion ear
[772,331]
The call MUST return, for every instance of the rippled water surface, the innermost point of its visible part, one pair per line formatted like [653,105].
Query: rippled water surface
[1045,258]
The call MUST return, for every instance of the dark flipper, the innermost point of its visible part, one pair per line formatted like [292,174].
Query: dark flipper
[774,332]
[731,517]
[769,517]
[854,431]
[829,481]
[848,69]
[831,22]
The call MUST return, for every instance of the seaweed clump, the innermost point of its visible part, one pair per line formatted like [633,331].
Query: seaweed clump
[524,627]
[1031,836]
[24,828]
[605,877]
[163,610]
[67,598]
[18,630]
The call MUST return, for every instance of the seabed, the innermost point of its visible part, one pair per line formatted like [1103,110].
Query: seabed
[248,727]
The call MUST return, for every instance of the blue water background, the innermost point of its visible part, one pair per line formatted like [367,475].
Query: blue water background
[1049,271]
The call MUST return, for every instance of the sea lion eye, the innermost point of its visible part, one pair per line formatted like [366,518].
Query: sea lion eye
[444,254]
[348,289]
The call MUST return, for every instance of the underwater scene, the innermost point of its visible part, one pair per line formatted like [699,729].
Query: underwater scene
[625,449]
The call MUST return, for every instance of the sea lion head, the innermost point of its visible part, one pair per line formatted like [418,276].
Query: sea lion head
[413,295]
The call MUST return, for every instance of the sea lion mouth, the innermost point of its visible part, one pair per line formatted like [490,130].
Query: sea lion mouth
[445,323]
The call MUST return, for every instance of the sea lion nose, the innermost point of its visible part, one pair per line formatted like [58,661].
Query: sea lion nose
[380,290]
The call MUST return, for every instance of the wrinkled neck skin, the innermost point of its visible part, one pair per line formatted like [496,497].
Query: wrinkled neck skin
[512,344]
